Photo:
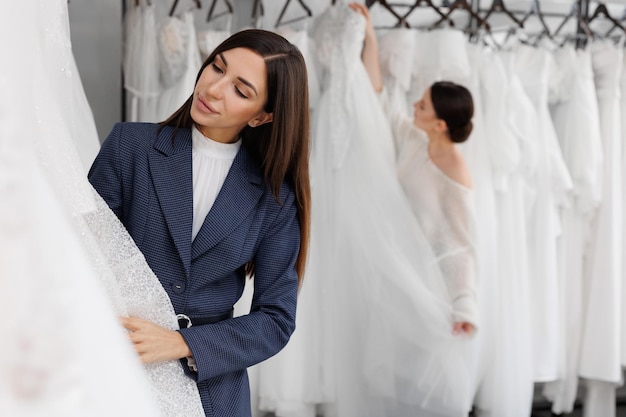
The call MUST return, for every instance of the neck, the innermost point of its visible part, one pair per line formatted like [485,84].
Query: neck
[439,144]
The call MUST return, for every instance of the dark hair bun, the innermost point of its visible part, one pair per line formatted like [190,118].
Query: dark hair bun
[461,133]
[453,104]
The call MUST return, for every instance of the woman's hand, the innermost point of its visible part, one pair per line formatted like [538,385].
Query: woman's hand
[154,343]
[362,9]
[463,328]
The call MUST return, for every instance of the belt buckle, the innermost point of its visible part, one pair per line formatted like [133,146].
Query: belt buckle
[184,317]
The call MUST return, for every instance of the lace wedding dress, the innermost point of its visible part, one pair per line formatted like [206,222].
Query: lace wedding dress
[391,312]
[67,266]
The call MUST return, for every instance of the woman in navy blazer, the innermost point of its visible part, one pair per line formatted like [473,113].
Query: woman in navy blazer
[252,89]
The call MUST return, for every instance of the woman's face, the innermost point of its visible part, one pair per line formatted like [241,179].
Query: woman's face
[230,94]
[424,116]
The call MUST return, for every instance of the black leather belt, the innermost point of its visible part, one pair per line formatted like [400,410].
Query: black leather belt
[184,321]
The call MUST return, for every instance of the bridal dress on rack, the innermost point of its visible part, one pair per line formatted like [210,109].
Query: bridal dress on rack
[141,62]
[395,353]
[67,266]
[600,361]
[574,110]
[510,135]
[180,62]
[535,67]
[297,381]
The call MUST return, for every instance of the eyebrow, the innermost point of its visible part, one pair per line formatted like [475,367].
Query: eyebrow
[243,80]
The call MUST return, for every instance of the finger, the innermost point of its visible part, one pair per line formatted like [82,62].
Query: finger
[457,328]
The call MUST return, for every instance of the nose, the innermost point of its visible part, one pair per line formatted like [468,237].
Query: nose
[215,89]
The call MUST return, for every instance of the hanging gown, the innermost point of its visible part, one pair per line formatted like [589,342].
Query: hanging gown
[392,318]
[180,62]
[506,388]
[75,267]
[575,114]
[534,69]
[296,382]
[141,64]
[600,360]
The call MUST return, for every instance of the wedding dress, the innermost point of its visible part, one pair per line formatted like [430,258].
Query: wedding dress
[390,308]
[72,266]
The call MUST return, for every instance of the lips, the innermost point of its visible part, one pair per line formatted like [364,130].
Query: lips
[204,106]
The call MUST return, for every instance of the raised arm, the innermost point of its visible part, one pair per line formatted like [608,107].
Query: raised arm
[369,56]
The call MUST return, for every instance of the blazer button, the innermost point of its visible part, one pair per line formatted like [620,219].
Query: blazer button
[178,287]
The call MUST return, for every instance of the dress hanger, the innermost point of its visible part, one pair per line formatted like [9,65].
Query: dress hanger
[535,10]
[257,11]
[173,9]
[211,17]
[428,3]
[617,26]
[463,5]
[602,10]
[498,6]
[583,29]
[307,14]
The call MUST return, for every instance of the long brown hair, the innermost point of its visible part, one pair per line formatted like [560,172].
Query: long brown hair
[281,146]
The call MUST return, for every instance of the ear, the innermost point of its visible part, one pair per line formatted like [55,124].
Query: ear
[441,126]
[261,119]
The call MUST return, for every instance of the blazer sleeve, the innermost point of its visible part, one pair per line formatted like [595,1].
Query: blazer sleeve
[105,175]
[237,343]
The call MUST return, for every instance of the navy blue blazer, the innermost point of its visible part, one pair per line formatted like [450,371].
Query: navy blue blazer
[146,179]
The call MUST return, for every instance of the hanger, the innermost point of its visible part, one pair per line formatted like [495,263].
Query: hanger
[307,11]
[602,10]
[463,5]
[622,18]
[173,9]
[535,10]
[257,11]
[418,3]
[498,6]
[573,11]
[401,22]
[210,16]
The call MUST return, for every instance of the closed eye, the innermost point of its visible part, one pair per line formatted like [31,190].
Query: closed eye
[217,69]
[239,93]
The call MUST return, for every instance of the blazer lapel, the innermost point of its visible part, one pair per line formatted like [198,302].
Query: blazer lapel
[240,193]
[172,176]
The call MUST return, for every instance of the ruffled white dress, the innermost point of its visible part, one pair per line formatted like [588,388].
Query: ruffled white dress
[72,266]
[390,307]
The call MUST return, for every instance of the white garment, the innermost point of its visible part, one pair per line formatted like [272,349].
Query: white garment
[211,162]
[534,67]
[208,40]
[141,64]
[445,211]
[72,265]
[601,350]
[180,62]
[301,39]
[392,316]
[576,119]
[507,139]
